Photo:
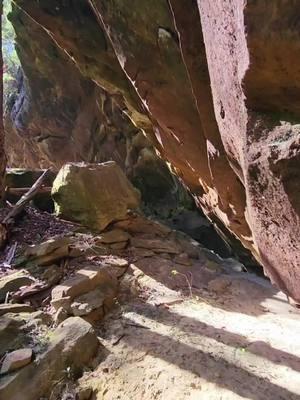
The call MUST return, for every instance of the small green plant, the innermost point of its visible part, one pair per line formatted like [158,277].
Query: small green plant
[189,281]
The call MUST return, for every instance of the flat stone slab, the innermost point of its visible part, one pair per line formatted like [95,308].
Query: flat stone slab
[49,251]
[13,282]
[97,298]
[115,261]
[114,236]
[156,245]
[85,280]
[72,344]
[16,359]
[14,308]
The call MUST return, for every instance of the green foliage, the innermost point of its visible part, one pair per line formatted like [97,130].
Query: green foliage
[10,58]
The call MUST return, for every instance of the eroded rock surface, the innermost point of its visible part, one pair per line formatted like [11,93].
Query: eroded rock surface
[214,86]
[61,114]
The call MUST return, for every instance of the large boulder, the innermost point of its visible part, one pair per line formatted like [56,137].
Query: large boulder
[93,194]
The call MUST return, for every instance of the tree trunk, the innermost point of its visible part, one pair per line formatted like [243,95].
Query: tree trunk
[2,133]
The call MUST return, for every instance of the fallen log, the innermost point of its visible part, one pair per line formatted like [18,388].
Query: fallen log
[22,191]
[13,213]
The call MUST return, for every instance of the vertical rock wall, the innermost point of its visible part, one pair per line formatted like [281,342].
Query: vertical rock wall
[214,85]
[58,115]
[252,52]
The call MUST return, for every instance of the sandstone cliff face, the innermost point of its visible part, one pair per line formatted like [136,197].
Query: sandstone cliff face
[58,115]
[214,85]
[253,78]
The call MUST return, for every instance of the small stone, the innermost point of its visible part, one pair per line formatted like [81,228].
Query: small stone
[114,236]
[13,282]
[95,299]
[166,256]
[118,246]
[142,253]
[139,224]
[234,265]
[117,262]
[84,393]
[183,259]
[220,284]
[76,252]
[16,360]
[63,302]
[48,252]
[38,318]
[81,309]
[85,280]
[60,316]
[94,316]
[212,266]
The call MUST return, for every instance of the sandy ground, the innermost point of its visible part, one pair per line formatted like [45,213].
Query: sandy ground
[229,341]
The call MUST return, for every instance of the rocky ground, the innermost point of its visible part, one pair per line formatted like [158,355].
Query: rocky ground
[138,312]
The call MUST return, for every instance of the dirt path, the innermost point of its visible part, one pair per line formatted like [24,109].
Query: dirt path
[242,343]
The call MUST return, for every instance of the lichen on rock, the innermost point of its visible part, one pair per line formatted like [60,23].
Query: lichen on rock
[93,195]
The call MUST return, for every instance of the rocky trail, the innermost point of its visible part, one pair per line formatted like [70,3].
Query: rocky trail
[196,349]
[139,311]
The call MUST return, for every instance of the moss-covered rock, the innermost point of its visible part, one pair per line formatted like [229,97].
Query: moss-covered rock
[93,194]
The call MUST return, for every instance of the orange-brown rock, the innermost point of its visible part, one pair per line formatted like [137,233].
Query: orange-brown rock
[214,85]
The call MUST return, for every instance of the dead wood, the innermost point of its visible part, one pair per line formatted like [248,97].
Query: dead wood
[22,191]
[15,211]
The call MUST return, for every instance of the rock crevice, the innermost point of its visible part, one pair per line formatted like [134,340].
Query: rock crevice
[213,85]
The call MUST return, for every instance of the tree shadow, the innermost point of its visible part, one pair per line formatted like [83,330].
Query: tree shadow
[196,327]
[209,365]
[246,293]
